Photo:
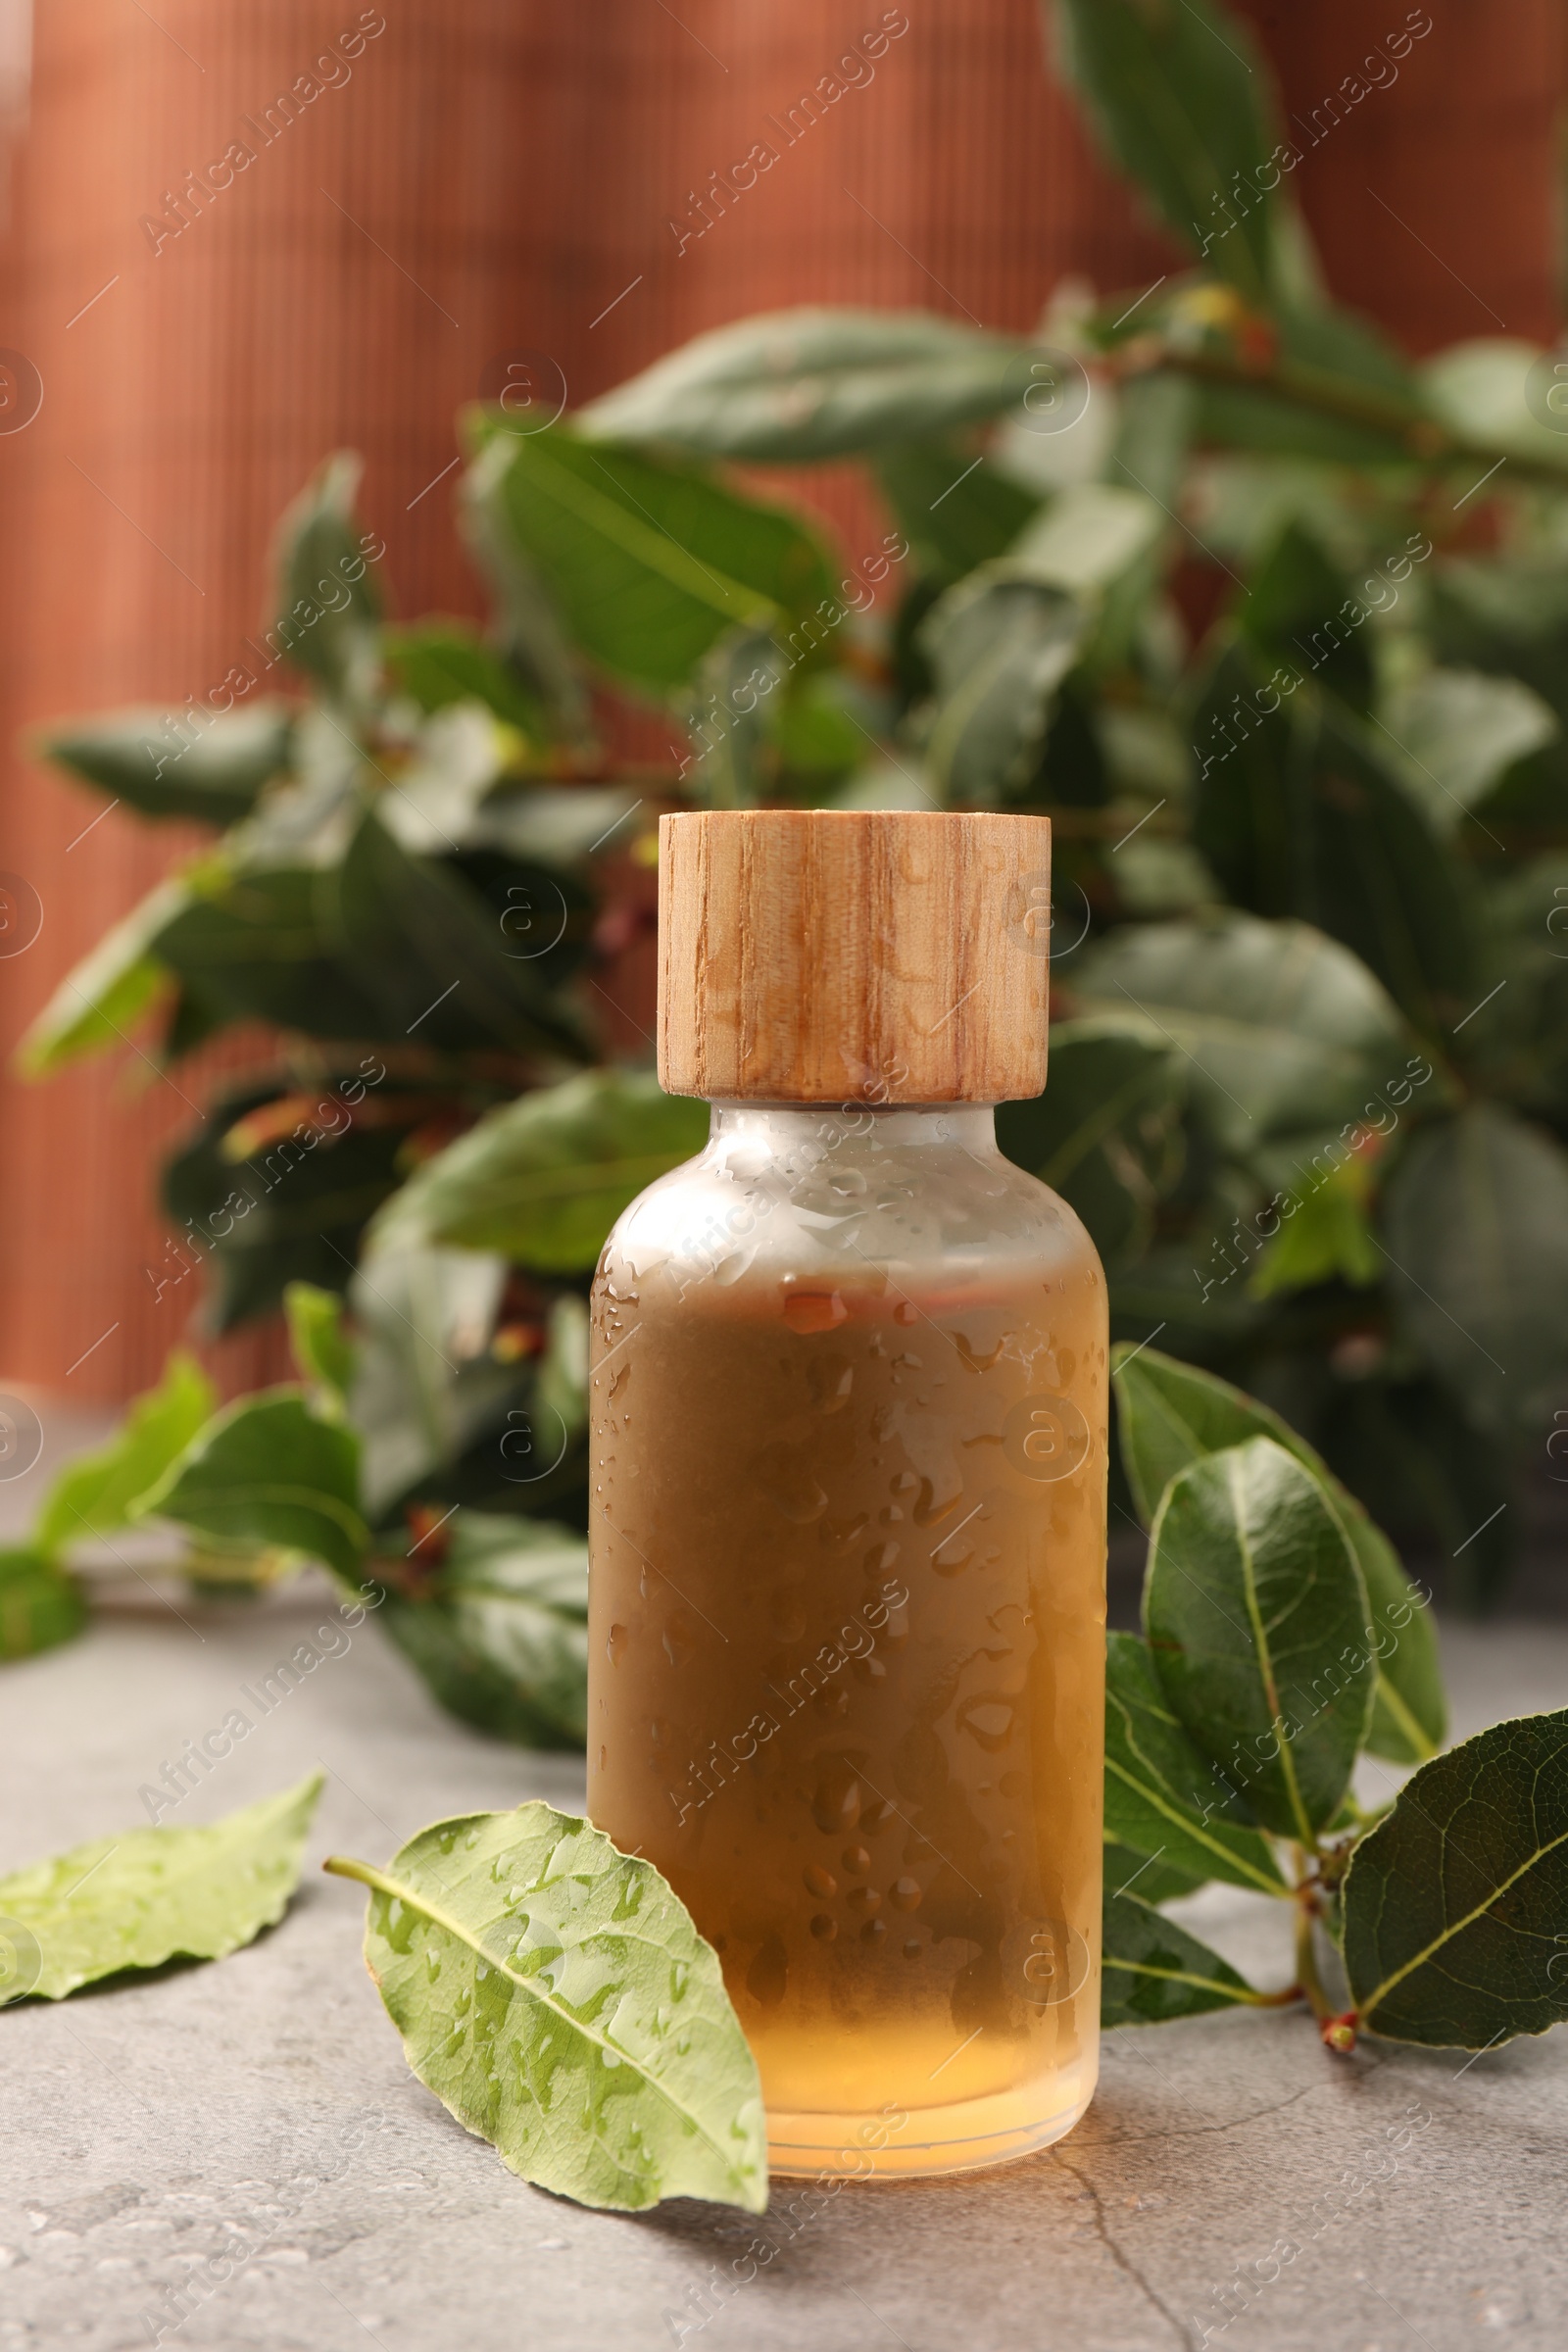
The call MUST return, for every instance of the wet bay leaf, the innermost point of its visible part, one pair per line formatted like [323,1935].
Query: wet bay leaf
[556,1996]
[151,1896]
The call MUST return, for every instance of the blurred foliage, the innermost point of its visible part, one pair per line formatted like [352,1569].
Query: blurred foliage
[1272,623]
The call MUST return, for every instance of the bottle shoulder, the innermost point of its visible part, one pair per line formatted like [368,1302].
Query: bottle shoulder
[843,1205]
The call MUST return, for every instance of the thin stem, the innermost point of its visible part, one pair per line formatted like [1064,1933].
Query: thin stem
[1423,440]
[1307,1972]
[1305,1863]
[342,1867]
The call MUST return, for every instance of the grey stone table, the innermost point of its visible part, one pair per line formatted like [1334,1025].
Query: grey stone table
[1421,2196]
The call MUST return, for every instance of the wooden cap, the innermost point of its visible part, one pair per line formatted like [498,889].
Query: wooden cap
[826,956]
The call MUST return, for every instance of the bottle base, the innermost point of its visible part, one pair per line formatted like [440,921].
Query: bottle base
[966,2136]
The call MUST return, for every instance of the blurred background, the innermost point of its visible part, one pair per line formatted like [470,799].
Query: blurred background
[237,240]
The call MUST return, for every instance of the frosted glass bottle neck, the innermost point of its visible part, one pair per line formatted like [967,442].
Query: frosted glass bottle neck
[782,1128]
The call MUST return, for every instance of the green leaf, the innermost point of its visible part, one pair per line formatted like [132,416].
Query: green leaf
[545,1179]
[1454,732]
[511,1650]
[1154,1971]
[97,1003]
[1262,415]
[1163,1796]
[1476,1225]
[1422,1464]
[558,826]
[40,1605]
[93,1494]
[1170,1415]
[151,1896]
[1386,882]
[650,564]
[1506,614]
[1155,1882]
[440,958]
[267,1471]
[732,713]
[1480,390]
[294,1210]
[1182,99]
[518,1594]
[822,731]
[1155,421]
[438,663]
[527,628]
[1293,612]
[999,648]
[1456,1905]
[1283,1031]
[429,1390]
[167,764]
[1518,1043]
[1106,1132]
[557,1998]
[1086,539]
[563,1384]
[1256,1610]
[257,945]
[456,758]
[1329,1236]
[322,1351]
[802,385]
[956,512]
[1306,817]
[328,612]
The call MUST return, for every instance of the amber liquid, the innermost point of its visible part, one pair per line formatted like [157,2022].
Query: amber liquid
[846,1683]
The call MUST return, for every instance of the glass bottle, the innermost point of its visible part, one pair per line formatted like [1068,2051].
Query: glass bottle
[848,1538]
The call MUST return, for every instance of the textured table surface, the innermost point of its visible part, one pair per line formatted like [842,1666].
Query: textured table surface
[266,2096]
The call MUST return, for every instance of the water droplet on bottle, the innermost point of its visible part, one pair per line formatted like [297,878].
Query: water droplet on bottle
[830,1378]
[855,1859]
[987,1720]
[823,1928]
[863,1901]
[904,1893]
[836,1806]
[616,1645]
[820,1881]
[806,1312]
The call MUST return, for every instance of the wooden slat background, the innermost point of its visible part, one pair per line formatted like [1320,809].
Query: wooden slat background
[495,176]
